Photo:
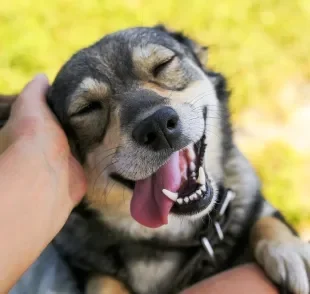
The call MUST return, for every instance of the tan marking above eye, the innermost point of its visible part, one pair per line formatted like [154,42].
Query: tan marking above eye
[146,58]
[89,89]
[94,87]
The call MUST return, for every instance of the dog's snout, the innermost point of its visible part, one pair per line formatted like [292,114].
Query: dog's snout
[160,130]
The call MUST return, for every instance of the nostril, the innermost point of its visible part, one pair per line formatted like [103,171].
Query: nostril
[161,130]
[149,138]
[172,123]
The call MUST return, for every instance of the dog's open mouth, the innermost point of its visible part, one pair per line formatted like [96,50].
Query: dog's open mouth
[195,192]
[180,187]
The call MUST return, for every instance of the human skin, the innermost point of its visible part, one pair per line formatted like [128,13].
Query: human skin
[40,182]
[243,279]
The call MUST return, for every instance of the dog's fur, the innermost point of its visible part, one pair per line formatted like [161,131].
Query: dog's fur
[99,96]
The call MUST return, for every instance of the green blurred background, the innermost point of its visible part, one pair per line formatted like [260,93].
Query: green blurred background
[262,46]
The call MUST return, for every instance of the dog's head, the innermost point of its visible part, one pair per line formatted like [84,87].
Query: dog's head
[144,118]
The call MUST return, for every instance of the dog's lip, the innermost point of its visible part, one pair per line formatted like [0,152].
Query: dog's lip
[126,182]
[195,206]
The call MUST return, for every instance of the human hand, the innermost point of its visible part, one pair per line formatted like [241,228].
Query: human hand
[35,133]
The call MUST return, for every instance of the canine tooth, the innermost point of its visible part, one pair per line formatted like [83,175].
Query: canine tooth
[191,153]
[203,188]
[193,174]
[192,166]
[198,192]
[180,201]
[186,199]
[201,176]
[171,195]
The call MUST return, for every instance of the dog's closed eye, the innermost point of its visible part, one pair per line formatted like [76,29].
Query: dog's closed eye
[162,65]
[88,108]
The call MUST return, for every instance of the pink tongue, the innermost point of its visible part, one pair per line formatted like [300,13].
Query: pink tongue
[149,206]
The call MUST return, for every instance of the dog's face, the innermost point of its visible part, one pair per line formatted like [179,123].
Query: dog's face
[143,117]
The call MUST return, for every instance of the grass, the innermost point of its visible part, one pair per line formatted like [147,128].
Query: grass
[259,45]
[284,176]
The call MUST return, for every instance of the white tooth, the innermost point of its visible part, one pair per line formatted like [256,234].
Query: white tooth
[195,196]
[191,197]
[186,199]
[205,141]
[201,176]
[192,166]
[203,188]
[191,153]
[180,201]
[193,174]
[198,192]
[171,195]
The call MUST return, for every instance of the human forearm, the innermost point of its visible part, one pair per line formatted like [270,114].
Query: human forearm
[26,189]
[247,278]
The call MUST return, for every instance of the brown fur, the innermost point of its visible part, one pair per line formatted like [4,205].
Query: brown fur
[272,229]
[105,285]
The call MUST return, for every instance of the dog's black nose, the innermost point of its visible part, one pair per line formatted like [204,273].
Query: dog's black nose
[158,131]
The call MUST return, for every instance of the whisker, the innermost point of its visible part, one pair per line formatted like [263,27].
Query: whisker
[101,173]
[212,133]
[101,161]
[113,183]
[214,126]
[197,99]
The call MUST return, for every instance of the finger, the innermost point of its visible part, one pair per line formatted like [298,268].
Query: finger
[32,98]
[38,86]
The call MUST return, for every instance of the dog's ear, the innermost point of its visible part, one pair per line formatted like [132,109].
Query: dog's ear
[200,53]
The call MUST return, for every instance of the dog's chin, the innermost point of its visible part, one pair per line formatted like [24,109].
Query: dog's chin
[197,193]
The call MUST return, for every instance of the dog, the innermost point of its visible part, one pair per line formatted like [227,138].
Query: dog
[171,200]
